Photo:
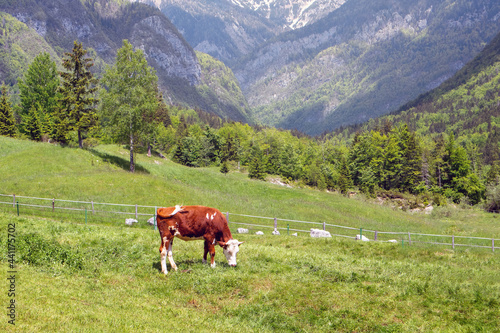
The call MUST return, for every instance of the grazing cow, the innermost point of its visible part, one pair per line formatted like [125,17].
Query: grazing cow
[192,223]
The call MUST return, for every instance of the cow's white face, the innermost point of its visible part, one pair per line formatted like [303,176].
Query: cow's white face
[231,248]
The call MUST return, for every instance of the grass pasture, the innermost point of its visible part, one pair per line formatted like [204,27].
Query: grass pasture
[105,276]
[96,278]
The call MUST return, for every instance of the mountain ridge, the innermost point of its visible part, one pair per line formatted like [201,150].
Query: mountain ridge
[102,25]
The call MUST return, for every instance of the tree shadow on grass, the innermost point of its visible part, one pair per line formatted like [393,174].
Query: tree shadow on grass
[118,161]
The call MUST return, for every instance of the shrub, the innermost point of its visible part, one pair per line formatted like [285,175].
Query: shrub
[493,199]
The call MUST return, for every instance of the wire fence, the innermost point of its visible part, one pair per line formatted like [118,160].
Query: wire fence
[112,213]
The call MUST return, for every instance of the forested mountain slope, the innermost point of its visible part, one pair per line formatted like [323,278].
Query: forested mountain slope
[364,60]
[319,65]
[466,105]
[101,26]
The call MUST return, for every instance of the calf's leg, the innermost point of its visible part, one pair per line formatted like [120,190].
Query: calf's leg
[205,251]
[163,254]
[170,256]
[211,249]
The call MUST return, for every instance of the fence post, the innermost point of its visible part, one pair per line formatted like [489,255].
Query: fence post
[275,223]
[493,244]
[17,204]
[85,215]
[376,235]
[324,225]
[14,202]
[92,202]
[227,217]
[136,211]
[288,229]
[360,233]
[409,238]
[53,204]
[453,242]
[155,218]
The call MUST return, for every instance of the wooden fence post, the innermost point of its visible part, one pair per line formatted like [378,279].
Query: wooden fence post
[409,238]
[136,211]
[92,202]
[493,244]
[155,218]
[275,224]
[453,242]
[14,202]
[227,217]
[376,234]
[53,204]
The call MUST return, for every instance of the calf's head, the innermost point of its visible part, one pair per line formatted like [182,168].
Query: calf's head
[230,249]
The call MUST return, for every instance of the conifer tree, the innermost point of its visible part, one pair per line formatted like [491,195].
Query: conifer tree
[256,168]
[224,168]
[411,159]
[32,125]
[39,85]
[344,181]
[7,120]
[78,90]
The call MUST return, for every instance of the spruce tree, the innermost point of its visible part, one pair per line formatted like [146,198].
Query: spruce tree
[344,181]
[224,168]
[32,125]
[38,88]
[411,159]
[7,120]
[78,89]
[256,168]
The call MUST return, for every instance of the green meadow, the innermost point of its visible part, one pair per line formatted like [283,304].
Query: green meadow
[104,276]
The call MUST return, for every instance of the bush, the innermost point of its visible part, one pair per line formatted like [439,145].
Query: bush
[493,199]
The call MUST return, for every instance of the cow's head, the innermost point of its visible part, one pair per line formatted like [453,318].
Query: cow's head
[231,248]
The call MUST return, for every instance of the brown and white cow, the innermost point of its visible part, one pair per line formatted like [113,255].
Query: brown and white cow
[193,223]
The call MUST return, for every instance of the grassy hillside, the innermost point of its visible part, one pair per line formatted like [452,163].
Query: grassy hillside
[48,171]
[77,277]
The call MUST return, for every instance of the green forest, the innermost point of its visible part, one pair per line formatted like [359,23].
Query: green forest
[440,156]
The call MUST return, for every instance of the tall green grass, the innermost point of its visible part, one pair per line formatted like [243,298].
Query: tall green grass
[94,278]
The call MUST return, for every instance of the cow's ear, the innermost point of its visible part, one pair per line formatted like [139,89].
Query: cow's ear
[222,244]
[239,243]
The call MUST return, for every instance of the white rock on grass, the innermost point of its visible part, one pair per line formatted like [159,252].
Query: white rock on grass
[295,234]
[151,221]
[259,233]
[320,233]
[392,241]
[130,221]
[275,232]
[242,231]
[362,238]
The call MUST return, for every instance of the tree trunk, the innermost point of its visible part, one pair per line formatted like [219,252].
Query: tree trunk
[132,165]
[80,142]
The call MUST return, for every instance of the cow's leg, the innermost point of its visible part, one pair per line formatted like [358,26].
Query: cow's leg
[211,249]
[205,251]
[163,254]
[170,256]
